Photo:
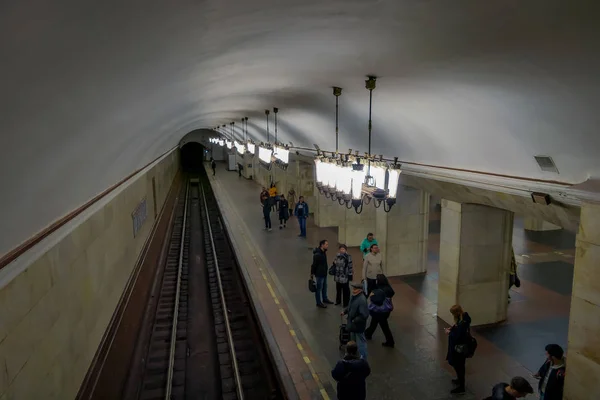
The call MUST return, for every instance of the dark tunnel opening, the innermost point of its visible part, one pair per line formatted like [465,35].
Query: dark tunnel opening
[192,157]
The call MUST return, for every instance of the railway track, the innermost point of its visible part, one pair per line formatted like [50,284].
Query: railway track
[245,368]
[172,367]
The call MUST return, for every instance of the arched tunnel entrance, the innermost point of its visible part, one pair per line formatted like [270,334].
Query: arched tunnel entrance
[192,156]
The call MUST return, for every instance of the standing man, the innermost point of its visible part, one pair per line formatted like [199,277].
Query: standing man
[213,165]
[372,266]
[266,207]
[358,313]
[318,269]
[284,213]
[518,388]
[552,374]
[365,246]
[292,199]
[301,212]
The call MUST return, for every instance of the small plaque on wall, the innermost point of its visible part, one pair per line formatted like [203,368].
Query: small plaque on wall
[139,216]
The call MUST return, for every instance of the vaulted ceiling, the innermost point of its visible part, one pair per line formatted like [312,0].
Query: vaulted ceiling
[91,91]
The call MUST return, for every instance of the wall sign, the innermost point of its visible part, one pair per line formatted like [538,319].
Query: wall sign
[139,216]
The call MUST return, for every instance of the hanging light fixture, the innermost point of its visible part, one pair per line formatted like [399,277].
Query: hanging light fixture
[275,111]
[358,177]
[251,148]
[268,137]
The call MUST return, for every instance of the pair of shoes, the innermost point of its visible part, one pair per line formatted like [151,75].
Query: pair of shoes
[269,229]
[386,344]
[280,227]
[284,225]
[321,305]
[327,301]
[337,303]
[458,390]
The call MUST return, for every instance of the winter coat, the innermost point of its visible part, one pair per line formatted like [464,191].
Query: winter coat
[556,380]
[459,334]
[301,210]
[351,373]
[344,269]
[358,313]
[365,246]
[283,209]
[319,265]
[372,266]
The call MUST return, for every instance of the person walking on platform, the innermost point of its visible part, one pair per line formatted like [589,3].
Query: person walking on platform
[318,270]
[343,272]
[458,334]
[266,207]
[365,246]
[552,374]
[284,213]
[372,266]
[213,165]
[380,308]
[264,195]
[518,388]
[351,373]
[301,213]
[358,313]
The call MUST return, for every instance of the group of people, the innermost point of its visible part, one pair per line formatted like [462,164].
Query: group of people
[372,297]
[271,202]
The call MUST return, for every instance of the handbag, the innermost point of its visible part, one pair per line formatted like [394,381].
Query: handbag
[332,270]
[312,286]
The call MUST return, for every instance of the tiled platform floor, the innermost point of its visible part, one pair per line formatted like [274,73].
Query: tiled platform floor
[416,368]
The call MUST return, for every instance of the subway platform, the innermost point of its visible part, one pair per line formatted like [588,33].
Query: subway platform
[277,265]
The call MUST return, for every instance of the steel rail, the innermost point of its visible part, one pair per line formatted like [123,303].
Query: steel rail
[236,372]
[169,384]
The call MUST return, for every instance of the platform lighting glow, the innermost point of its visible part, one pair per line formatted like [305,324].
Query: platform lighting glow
[221,142]
[319,170]
[240,147]
[251,148]
[378,174]
[282,154]
[344,181]
[229,144]
[358,177]
[264,154]
[330,174]
[393,177]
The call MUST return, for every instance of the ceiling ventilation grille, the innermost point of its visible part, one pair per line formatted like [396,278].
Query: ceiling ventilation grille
[546,164]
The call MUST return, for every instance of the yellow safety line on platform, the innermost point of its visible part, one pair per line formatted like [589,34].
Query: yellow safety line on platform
[305,357]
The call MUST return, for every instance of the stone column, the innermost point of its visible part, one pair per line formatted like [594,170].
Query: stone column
[583,364]
[475,251]
[353,227]
[248,171]
[403,233]
[534,224]
[327,212]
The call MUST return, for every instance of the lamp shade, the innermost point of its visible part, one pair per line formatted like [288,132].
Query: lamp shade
[344,181]
[282,154]
[358,177]
[378,174]
[251,148]
[240,147]
[264,154]
[319,170]
[330,175]
[393,177]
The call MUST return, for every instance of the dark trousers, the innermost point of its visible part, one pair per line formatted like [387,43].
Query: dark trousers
[282,221]
[342,293]
[302,223]
[371,284]
[382,320]
[268,221]
[459,365]
[214,170]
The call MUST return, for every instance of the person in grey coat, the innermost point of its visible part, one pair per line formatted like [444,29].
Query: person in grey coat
[358,313]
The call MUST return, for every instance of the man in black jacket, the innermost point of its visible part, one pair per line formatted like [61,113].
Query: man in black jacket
[318,270]
[518,388]
[552,374]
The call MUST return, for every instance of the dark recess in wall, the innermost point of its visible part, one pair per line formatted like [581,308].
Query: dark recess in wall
[192,156]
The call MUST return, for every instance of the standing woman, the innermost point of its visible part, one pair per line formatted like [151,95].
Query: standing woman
[284,213]
[458,338]
[380,307]
[291,199]
[343,272]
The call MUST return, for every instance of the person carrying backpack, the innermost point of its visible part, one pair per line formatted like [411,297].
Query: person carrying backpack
[380,308]
[343,272]
[351,373]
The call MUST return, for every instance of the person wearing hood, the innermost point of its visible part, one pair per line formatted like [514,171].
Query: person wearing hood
[343,272]
[380,307]
[351,373]
[318,270]
[552,374]
[458,334]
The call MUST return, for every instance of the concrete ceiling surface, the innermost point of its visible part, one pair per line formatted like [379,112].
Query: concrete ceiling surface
[92,91]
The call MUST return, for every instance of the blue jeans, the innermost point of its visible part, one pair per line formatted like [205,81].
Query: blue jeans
[302,223]
[361,343]
[321,293]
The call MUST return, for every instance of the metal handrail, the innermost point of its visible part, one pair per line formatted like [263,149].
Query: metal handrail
[169,385]
[236,372]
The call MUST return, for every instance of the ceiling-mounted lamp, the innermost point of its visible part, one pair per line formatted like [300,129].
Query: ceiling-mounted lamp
[358,177]
[392,185]
[251,148]
[265,153]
